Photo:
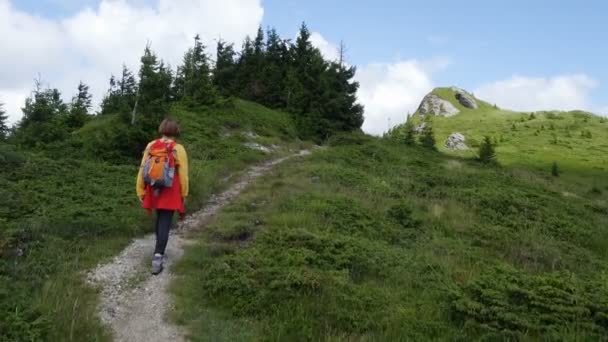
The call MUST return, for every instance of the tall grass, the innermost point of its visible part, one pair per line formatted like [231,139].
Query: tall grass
[62,215]
[376,241]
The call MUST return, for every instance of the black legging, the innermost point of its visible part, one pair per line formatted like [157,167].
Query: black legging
[163,224]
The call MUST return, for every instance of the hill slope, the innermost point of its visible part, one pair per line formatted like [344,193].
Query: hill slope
[372,240]
[576,140]
[530,138]
[62,212]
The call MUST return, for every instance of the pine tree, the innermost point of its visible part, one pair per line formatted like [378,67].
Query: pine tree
[487,155]
[308,89]
[427,139]
[127,83]
[79,108]
[153,92]
[409,133]
[4,129]
[247,70]
[121,95]
[43,106]
[276,67]
[555,172]
[224,74]
[193,81]
[165,79]
[341,107]
[43,118]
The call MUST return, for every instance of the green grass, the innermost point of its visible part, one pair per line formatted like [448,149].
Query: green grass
[533,143]
[61,214]
[375,241]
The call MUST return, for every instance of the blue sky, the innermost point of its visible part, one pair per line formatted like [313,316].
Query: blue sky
[485,40]
[525,55]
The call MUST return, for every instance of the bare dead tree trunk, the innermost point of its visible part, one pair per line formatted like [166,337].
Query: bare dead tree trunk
[134,112]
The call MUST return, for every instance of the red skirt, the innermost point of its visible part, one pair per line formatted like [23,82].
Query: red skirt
[167,198]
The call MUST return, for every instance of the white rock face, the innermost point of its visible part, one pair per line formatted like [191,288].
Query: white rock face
[465,98]
[456,141]
[435,105]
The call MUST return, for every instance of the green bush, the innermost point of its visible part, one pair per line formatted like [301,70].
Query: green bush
[507,300]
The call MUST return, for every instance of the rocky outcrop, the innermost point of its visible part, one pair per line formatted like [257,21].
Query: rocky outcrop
[456,141]
[420,128]
[465,99]
[435,105]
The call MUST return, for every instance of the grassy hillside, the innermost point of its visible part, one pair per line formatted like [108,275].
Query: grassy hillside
[62,213]
[372,240]
[576,140]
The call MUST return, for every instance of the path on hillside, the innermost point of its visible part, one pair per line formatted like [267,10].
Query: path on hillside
[133,303]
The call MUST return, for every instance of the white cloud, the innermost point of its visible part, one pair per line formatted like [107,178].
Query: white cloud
[390,90]
[93,43]
[329,50]
[387,90]
[565,92]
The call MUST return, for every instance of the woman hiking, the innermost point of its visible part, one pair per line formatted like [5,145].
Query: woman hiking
[162,184]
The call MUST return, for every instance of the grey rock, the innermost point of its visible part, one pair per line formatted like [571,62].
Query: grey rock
[259,147]
[250,135]
[435,105]
[420,128]
[465,98]
[456,141]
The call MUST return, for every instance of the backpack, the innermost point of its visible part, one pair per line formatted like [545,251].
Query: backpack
[159,168]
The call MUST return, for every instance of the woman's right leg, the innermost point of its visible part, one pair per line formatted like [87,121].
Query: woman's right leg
[164,218]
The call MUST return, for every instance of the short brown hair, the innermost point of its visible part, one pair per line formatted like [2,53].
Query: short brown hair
[169,128]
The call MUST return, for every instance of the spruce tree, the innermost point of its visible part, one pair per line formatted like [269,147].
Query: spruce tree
[409,137]
[308,90]
[276,67]
[487,155]
[257,86]
[79,108]
[127,83]
[165,79]
[245,70]
[153,92]
[193,81]
[43,118]
[4,129]
[340,105]
[427,139]
[148,95]
[121,95]
[224,74]
[555,172]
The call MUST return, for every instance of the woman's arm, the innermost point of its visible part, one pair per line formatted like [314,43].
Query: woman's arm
[182,169]
[140,187]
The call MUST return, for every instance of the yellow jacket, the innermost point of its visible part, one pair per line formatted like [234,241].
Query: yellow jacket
[181,167]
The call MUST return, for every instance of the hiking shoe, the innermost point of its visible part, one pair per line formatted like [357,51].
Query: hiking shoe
[157,263]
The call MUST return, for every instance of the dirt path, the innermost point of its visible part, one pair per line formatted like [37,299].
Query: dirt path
[133,303]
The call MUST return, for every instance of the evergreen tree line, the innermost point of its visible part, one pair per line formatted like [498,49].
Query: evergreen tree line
[278,73]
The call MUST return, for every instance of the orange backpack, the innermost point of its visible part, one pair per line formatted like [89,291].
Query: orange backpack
[159,168]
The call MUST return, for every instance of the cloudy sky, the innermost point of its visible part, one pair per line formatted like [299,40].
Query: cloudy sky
[524,55]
